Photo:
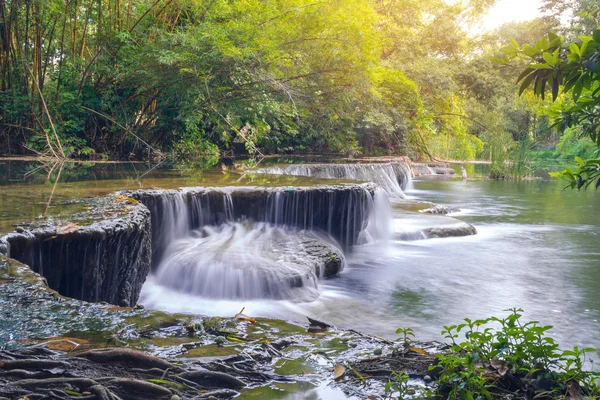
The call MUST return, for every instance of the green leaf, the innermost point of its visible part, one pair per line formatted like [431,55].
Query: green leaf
[541,66]
[577,89]
[499,60]
[574,48]
[528,50]
[526,83]
[597,36]
[524,74]
[549,59]
[570,83]
[554,88]
[586,40]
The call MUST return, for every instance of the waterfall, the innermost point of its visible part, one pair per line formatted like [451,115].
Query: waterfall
[251,242]
[403,170]
[391,177]
[245,260]
[379,226]
[342,211]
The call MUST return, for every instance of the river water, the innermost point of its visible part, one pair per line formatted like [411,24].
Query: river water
[536,248]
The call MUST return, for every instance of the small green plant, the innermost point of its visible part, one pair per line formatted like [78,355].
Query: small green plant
[406,334]
[501,355]
[398,385]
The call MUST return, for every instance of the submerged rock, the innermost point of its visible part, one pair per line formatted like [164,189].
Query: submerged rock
[438,209]
[411,227]
[431,169]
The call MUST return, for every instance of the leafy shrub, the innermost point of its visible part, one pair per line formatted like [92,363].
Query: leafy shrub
[573,145]
[505,355]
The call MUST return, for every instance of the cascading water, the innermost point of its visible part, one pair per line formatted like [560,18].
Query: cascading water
[245,260]
[259,243]
[422,169]
[391,177]
[379,226]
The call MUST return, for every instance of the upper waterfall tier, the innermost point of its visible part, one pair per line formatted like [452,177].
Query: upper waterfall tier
[104,253]
[341,211]
[391,177]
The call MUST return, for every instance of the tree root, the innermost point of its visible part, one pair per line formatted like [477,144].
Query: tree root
[32,364]
[142,389]
[212,379]
[127,357]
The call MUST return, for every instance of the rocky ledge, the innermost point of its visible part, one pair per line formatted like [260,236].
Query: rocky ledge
[427,226]
[105,251]
[420,169]
[100,254]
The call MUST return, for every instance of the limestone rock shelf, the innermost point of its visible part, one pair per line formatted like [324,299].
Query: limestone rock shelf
[106,252]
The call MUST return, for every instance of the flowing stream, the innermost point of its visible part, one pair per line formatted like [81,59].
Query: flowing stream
[536,248]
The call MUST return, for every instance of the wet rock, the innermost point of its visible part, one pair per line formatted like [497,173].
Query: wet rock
[431,169]
[219,394]
[100,255]
[134,389]
[431,226]
[443,170]
[456,230]
[438,209]
[261,261]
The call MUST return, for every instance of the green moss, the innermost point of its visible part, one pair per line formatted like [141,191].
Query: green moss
[296,366]
[273,328]
[158,320]
[211,350]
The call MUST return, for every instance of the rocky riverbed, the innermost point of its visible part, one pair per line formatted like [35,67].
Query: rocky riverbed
[74,349]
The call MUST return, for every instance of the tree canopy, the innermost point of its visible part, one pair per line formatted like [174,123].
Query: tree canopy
[197,78]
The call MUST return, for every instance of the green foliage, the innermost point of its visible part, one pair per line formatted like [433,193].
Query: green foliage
[586,173]
[398,383]
[572,145]
[506,355]
[197,78]
[574,71]
[406,333]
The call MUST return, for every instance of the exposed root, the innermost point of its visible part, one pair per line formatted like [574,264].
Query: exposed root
[127,357]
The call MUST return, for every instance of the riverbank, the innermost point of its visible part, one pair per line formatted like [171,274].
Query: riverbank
[136,354]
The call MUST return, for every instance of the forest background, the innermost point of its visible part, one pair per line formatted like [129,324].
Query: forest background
[203,79]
